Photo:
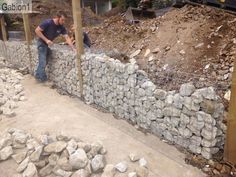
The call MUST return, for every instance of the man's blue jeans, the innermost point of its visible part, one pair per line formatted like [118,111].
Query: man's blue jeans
[43,54]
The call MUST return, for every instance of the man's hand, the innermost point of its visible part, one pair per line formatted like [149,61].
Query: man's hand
[49,42]
[69,42]
[74,49]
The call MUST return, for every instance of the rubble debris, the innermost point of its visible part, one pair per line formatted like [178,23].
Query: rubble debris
[54,159]
[11,91]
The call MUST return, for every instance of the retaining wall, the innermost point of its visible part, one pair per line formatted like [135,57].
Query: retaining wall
[189,117]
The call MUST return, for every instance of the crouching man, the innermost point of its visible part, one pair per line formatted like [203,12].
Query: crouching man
[47,31]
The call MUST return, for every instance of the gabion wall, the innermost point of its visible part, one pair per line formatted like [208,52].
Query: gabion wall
[189,117]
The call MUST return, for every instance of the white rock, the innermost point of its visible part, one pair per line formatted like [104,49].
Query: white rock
[187,89]
[143,162]
[52,159]
[142,171]
[109,171]
[132,174]
[134,157]
[122,167]
[147,52]
[36,154]
[81,173]
[98,163]
[63,173]
[134,54]
[55,147]
[23,165]
[31,171]
[78,159]
[6,152]
[227,95]
[47,170]
[5,140]
[19,157]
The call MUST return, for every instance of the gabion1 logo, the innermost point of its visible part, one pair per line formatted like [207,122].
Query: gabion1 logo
[15,6]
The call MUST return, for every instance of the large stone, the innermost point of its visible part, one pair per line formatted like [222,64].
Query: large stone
[172,112]
[23,165]
[184,120]
[72,146]
[31,171]
[85,146]
[178,101]
[47,170]
[109,171]
[209,135]
[95,149]
[142,171]
[19,157]
[132,174]
[40,164]
[208,93]
[6,152]
[55,147]
[208,106]
[63,173]
[64,164]
[207,143]
[195,149]
[5,140]
[20,137]
[78,159]
[186,89]
[196,140]
[207,118]
[81,173]
[98,163]
[122,167]
[185,132]
[143,162]
[52,159]
[134,157]
[34,157]
[160,94]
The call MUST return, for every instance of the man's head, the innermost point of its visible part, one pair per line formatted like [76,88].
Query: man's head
[60,18]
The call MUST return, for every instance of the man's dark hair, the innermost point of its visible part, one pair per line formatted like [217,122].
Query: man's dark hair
[61,14]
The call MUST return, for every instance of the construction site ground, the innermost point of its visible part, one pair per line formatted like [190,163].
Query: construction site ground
[47,111]
[188,44]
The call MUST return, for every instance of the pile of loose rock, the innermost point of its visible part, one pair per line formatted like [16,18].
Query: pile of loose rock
[11,91]
[62,156]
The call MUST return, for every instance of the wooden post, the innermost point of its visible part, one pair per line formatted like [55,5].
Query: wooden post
[3,27]
[26,20]
[230,145]
[28,36]
[78,39]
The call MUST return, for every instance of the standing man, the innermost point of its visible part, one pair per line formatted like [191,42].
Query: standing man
[47,31]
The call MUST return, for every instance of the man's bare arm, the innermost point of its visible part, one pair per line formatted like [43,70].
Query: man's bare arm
[39,33]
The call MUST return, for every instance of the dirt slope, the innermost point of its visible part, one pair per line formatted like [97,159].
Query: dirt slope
[188,44]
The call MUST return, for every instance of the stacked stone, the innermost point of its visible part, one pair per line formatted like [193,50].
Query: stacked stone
[193,119]
[47,156]
[11,91]
[189,117]
[110,84]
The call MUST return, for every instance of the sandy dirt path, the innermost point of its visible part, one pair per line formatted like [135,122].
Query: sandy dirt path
[46,110]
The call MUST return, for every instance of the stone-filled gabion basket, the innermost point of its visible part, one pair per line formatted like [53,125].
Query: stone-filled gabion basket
[189,117]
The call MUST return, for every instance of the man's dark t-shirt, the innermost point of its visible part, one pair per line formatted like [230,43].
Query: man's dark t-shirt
[51,30]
